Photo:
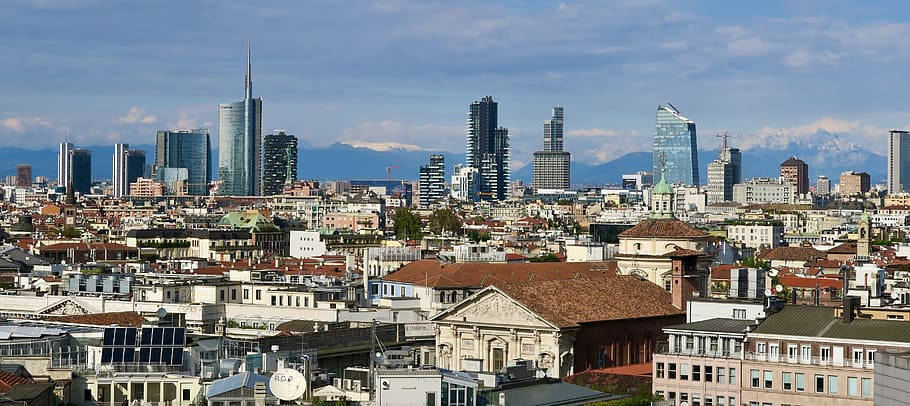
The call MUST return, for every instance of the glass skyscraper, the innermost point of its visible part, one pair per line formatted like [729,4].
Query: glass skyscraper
[239,143]
[675,152]
[81,170]
[487,149]
[187,149]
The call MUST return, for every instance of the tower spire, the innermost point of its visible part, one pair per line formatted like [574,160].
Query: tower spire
[248,84]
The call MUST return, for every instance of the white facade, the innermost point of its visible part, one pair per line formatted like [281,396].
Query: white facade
[585,252]
[464,183]
[121,187]
[755,235]
[64,166]
[763,190]
[306,244]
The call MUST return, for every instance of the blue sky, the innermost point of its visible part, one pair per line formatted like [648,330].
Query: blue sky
[375,73]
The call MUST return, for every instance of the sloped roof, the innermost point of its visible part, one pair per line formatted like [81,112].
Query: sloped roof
[791,254]
[242,380]
[571,302]
[718,325]
[812,321]
[8,380]
[124,319]
[844,248]
[478,274]
[656,228]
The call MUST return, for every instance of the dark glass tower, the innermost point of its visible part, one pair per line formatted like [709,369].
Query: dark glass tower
[81,164]
[279,162]
[487,149]
[675,147]
[188,149]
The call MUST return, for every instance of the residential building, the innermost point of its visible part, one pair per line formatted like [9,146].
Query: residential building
[551,165]
[279,167]
[24,175]
[81,170]
[487,149]
[854,183]
[675,147]
[187,149]
[764,190]
[64,169]
[822,185]
[239,143]
[795,172]
[432,186]
[465,183]
[898,161]
[306,244]
[144,187]
[756,234]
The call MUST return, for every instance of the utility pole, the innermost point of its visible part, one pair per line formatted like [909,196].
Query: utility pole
[372,371]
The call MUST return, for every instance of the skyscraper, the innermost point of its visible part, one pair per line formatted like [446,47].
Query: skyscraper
[822,185]
[188,149]
[64,169]
[279,163]
[135,166]
[129,165]
[240,144]
[487,149]
[551,165]
[432,186]
[24,176]
[675,152]
[795,172]
[81,170]
[723,173]
[898,161]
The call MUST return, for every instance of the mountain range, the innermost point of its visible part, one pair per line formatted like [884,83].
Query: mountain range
[825,153]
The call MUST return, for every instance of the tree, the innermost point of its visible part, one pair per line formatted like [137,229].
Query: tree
[444,220]
[478,236]
[407,224]
[71,232]
[550,257]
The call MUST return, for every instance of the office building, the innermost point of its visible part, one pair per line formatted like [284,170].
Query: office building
[551,165]
[24,176]
[854,183]
[239,143]
[80,162]
[64,170]
[898,161]
[795,172]
[675,152]
[764,190]
[822,185]
[188,149]
[129,165]
[279,163]
[638,181]
[432,186]
[723,173]
[487,149]
[464,183]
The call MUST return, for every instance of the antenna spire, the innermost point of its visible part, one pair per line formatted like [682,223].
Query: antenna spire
[248,84]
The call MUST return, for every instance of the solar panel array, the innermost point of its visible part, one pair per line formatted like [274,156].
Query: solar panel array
[145,346]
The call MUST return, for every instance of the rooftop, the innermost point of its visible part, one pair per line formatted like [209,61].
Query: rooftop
[812,321]
[652,228]
[718,325]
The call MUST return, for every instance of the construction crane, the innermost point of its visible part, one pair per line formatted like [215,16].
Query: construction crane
[725,135]
[388,171]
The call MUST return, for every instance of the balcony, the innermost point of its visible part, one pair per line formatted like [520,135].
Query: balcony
[817,361]
[664,348]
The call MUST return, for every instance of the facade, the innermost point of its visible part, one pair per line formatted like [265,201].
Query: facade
[764,190]
[638,181]
[280,163]
[431,387]
[129,165]
[64,169]
[81,170]
[898,161]
[822,185]
[755,235]
[675,147]
[24,176]
[723,173]
[432,186]
[854,183]
[464,185]
[306,244]
[187,149]
[240,144]
[145,187]
[551,164]
[795,172]
[487,149]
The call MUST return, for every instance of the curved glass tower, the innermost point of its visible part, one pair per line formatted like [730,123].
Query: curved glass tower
[675,147]
[239,143]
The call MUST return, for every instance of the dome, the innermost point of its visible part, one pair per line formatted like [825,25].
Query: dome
[662,188]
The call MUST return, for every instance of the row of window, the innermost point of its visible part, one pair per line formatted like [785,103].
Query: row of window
[722,376]
[696,399]
[804,353]
[712,344]
[856,387]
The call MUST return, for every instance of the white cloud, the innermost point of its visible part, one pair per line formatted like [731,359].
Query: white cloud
[137,115]
[593,132]
[426,136]
[13,124]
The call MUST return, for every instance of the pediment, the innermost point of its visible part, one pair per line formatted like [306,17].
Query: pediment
[495,308]
[65,307]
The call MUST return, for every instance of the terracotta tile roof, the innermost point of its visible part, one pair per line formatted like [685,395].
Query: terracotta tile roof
[823,263]
[792,254]
[793,281]
[682,252]
[722,272]
[8,380]
[478,274]
[571,302]
[663,228]
[126,319]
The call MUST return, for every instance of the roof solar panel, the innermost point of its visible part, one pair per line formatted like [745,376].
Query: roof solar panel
[119,336]
[118,356]
[130,337]
[156,336]
[168,336]
[177,358]
[144,354]
[166,355]
[108,338]
[106,355]
[146,338]
[155,356]
[129,355]
[179,336]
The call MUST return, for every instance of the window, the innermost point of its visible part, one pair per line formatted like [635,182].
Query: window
[769,379]
[233,294]
[739,313]
[274,300]
[259,294]
[852,386]
[805,353]
[858,357]
[660,370]
[684,372]
[298,301]
[671,371]
[755,378]
[800,382]
[733,376]
[870,357]
[720,375]
[824,354]
[867,386]
[709,401]
[712,346]
[720,401]
[761,348]
[819,384]
[689,343]
[221,295]
[832,384]
[709,375]
[786,380]
[246,294]
[774,351]
[186,395]
[281,300]
[696,400]
[696,373]
[731,401]
[701,345]
[792,352]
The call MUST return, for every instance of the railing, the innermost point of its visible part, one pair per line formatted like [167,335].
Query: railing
[663,348]
[814,360]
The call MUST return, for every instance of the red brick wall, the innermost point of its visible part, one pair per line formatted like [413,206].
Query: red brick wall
[623,342]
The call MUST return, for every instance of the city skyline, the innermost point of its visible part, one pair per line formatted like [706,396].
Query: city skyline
[759,62]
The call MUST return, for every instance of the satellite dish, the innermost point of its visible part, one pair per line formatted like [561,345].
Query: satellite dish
[773,272]
[895,295]
[779,288]
[288,384]
[768,292]
[161,312]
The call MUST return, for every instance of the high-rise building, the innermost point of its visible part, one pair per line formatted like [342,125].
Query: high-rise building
[675,151]
[135,165]
[64,169]
[188,149]
[551,165]
[795,172]
[279,162]
[129,165]
[898,161]
[487,149]
[822,185]
[854,183]
[432,186]
[464,185]
[24,176]
[81,170]
[723,173]
[240,143]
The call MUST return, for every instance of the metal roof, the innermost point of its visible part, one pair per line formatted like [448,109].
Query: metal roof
[244,379]
[812,321]
[718,325]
